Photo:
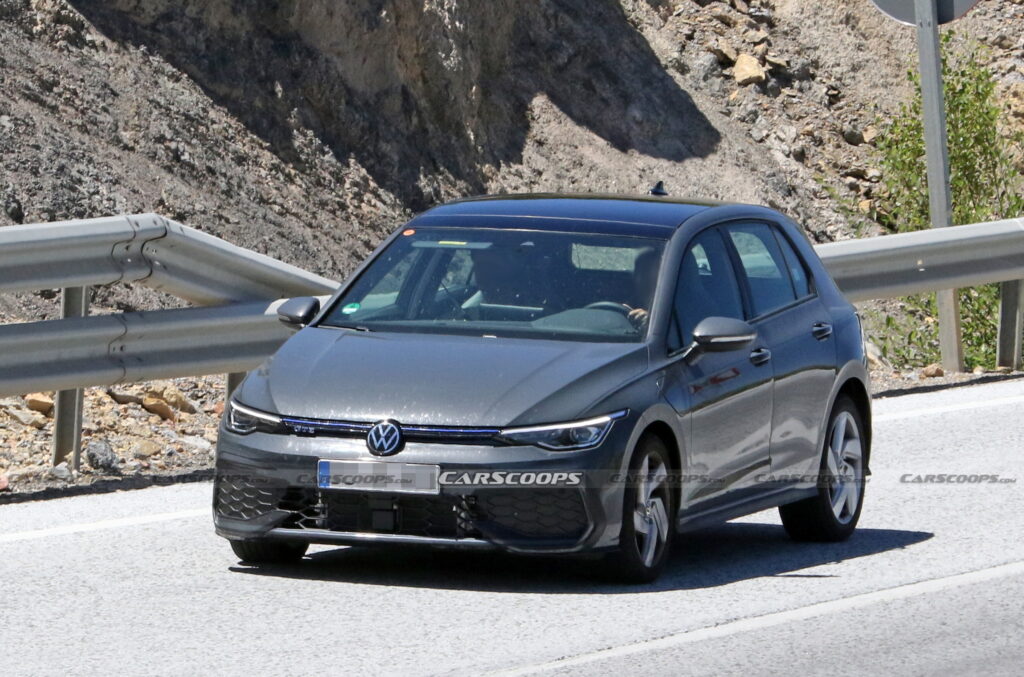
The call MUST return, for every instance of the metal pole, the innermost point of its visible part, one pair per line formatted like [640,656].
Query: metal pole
[1011,309]
[233,381]
[939,199]
[67,408]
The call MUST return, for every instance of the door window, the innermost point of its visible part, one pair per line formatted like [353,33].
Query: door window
[797,270]
[764,267]
[706,287]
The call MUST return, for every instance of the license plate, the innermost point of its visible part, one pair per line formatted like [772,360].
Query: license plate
[396,478]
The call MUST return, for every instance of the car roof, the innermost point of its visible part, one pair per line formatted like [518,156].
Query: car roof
[614,214]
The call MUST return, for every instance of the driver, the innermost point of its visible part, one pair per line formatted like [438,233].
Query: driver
[645,278]
[497,275]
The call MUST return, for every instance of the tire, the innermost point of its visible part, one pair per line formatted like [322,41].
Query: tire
[648,525]
[269,551]
[828,516]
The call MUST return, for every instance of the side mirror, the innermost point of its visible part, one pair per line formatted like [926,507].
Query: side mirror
[299,311]
[722,334]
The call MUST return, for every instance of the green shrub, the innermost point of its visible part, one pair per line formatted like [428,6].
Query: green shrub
[985,185]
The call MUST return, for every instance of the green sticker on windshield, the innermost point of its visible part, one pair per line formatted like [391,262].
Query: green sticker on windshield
[350,308]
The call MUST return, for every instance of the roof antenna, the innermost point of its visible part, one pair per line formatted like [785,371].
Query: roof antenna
[658,190]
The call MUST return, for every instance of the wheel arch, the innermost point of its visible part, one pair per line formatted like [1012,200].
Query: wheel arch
[664,432]
[856,389]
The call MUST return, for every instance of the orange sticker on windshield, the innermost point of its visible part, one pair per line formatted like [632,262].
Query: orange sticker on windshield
[408,232]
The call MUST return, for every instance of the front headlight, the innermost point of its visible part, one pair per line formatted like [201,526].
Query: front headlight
[244,420]
[564,436]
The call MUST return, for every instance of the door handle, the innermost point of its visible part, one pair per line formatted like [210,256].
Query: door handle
[760,356]
[821,330]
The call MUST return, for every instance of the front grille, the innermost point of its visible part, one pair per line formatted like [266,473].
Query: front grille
[556,514]
[241,497]
[432,516]
[535,513]
[413,433]
[366,512]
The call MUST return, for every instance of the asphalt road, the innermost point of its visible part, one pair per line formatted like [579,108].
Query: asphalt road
[932,583]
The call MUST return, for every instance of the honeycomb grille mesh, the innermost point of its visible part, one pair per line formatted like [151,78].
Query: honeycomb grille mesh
[240,497]
[539,513]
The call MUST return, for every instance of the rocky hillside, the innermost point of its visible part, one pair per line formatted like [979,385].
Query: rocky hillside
[308,129]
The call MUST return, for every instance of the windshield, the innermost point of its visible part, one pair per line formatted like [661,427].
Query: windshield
[501,283]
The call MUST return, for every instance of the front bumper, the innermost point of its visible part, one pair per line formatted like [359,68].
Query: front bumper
[266,487]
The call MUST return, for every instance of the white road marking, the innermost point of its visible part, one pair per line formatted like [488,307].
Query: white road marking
[101,525]
[778,618]
[947,408]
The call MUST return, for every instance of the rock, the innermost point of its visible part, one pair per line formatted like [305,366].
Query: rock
[723,51]
[934,370]
[155,405]
[1014,98]
[27,417]
[755,37]
[706,67]
[172,396]
[853,136]
[124,397]
[143,449]
[196,442]
[873,175]
[1003,41]
[870,134]
[40,402]
[218,409]
[748,70]
[875,357]
[724,15]
[61,472]
[865,206]
[4,483]
[759,132]
[777,61]
[100,456]
[786,134]
[978,370]
[25,474]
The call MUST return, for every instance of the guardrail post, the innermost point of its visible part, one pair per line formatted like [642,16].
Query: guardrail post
[233,381]
[1011,307]
[67,407]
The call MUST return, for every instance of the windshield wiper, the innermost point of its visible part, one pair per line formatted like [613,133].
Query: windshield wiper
[347,326]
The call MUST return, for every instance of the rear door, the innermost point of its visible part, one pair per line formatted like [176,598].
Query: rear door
[796,327]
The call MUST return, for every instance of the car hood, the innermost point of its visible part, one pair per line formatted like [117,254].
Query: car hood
[437,379]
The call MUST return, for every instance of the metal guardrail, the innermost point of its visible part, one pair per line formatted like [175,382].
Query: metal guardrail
[148,249]
[927,260]
[77,351]
[151,250]
[138,346]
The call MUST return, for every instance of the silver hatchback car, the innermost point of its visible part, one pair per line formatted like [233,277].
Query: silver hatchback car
[556,375]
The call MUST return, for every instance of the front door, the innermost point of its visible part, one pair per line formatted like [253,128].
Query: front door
[727,395]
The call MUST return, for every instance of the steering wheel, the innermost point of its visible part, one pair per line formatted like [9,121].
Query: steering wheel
[608,305]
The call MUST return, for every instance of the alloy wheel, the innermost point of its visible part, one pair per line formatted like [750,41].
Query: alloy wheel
[844,460]
[650,517]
